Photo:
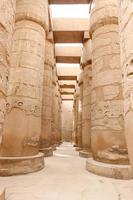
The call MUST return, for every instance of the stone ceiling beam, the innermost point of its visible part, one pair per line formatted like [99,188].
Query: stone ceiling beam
[68,36]
[67,99]
[69,1]
[67,78]
[67,93]
[67,86]
[71,24]
[63,59]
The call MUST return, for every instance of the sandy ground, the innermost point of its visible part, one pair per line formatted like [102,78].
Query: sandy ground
[65,178]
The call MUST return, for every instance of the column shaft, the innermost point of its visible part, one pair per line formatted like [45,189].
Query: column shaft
[108,141]
[86,108]
[22,127]
[126,35]
[80,104]
[46,134]
[7,20]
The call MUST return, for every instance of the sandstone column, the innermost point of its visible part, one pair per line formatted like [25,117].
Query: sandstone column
[7,20]
[60,117]
[74,121]
[107,133]
[54,80]
[46,134]
[86,107]
[126,34]
[76,106]
[57,112]
[23,120]
[79,120]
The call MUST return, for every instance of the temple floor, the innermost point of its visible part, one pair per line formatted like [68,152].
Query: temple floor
[65,178]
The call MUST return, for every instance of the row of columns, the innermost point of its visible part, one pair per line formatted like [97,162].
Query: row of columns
[27,61]
[106,112]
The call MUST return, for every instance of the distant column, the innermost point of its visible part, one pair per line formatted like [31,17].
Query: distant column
[54,80]
[79,120]
[86,107]
[46,133]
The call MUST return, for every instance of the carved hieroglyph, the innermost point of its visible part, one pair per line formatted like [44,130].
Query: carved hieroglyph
[7,20]
[108,141]
[46,133]
[126,36]
[24,102]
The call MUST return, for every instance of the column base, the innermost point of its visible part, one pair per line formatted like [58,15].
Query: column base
[109,170]
[47,151]
[85,154]
[2,193]
[54,147]
[78,149]
[10,166]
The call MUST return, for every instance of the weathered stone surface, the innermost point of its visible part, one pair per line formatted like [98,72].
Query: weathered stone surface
[67,122]
[7,19]
[86,105]
[76,108]
[56,110]
[126,38]
[46,131]
[36,11]
[2,193]
[47,151]
[22,127]
[80,109]
[109,170]
[21,165]
[107,99]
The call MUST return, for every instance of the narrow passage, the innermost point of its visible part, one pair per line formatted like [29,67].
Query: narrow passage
[65,178]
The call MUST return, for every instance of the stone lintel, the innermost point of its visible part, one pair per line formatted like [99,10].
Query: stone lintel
[67,86]
[69,1]
[67,78]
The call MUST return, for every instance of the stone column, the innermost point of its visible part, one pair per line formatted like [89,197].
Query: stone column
[126,35]
[107,141]
[86,107]
[60,117]
[7,20]
[76,97]
[46,134]
[54,108]
[79,120]
[57,111]
[74,121]
[76,106]
[23,120]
